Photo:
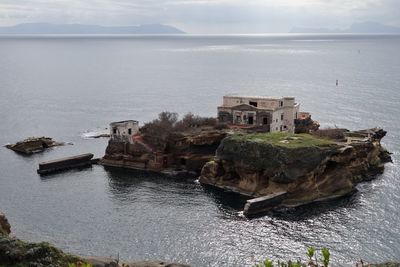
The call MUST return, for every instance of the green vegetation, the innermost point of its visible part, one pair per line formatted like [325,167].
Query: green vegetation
[326,255]
[159,130]
[15,252]
[325,258]
[287,140]
[80,264]
[310,253]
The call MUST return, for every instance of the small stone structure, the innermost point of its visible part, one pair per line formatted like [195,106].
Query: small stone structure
[275,114]
[124,130]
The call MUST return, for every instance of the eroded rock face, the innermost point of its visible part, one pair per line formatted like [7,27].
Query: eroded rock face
[5,227]
[306,173]
[188,151]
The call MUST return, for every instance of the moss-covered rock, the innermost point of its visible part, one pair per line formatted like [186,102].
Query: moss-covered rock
[14,252]
[307,167]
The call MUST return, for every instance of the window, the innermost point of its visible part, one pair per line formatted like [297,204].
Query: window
[250,120]
[281,103]
[238,119]
[183,161]
[114,130]
[282,117]
[265,120]
[276,120]
[129,131]
[284,127]
[252,103]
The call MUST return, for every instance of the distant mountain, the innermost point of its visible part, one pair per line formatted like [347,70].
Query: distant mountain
[372,27]
[363,27]
[48,28]
[313,30]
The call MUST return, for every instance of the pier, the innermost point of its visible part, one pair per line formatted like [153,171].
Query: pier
[62,164]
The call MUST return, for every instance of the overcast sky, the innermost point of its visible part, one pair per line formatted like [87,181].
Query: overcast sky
[205,16]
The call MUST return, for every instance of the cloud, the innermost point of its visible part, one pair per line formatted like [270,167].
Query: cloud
[204,16]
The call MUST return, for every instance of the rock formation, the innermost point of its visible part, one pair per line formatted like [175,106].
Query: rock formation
[5,227]
[33,145]
[185,151]
[15,252]
[307,168]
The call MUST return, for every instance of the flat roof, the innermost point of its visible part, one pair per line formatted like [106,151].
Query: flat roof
[117,122]
[259,96]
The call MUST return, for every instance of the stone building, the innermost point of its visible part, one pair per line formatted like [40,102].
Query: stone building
[124,131]
[276,114]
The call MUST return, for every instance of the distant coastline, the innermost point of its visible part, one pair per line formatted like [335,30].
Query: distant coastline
[61,29]
[368,27]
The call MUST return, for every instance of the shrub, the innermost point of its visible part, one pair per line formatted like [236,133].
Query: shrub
[331,133]
[159,130]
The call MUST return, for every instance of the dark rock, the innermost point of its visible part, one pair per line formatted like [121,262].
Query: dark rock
[14,252]
[5,227]
[34,145]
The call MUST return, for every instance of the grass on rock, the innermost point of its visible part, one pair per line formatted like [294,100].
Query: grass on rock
[287,140]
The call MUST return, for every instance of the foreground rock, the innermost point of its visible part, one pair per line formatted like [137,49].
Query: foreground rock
[15,252]
[34,145]
[306,168]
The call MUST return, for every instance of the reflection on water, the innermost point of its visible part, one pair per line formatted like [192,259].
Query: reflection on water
[60,87]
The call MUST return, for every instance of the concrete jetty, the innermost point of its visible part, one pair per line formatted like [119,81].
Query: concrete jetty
[57,165]
[262,204]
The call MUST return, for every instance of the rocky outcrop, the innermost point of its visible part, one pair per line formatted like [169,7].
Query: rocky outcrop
[34,145]
[15,252]
[184,151]
[307,168]
[5,227]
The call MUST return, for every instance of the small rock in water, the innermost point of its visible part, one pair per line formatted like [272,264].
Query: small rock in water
[34,145]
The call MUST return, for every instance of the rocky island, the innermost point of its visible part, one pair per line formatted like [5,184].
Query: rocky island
[258,147]
[32,145]
[295,169]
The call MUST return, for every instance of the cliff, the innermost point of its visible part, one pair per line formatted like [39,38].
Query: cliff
[299,168]
[183,151]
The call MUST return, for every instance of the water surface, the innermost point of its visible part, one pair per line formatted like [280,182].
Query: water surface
[64,86]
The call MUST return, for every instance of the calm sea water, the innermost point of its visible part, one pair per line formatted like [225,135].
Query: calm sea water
[64,86]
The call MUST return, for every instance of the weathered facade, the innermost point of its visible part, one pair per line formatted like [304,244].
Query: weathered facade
[124,130]
[275,114]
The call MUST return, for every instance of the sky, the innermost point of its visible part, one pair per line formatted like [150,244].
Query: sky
[204,16]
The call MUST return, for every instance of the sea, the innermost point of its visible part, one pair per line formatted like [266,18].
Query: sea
[71,87]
